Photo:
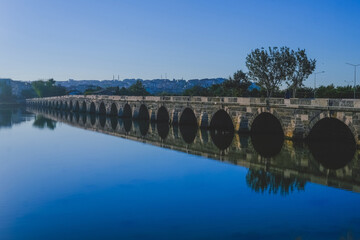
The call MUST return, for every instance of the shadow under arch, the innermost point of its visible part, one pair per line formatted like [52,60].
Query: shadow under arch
[92,108]
[332,143]
[162,115]
[222,121]
[163,129]
[77,106]
[267,135]
[114,110]
[188,117]
[127,113]
[221,129]
[102,120]
[102,109]
[143,113]
[83,107]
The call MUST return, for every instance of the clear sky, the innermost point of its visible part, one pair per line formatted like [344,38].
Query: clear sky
[92,39]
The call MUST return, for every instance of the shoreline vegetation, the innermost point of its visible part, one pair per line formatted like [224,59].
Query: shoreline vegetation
[277,72]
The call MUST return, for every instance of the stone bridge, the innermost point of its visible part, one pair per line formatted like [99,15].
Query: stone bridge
[289,161]
[296,118]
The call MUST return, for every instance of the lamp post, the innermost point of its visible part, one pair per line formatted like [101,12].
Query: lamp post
[315,81]
[355,66]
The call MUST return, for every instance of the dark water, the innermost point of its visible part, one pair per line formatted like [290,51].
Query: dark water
[70,176]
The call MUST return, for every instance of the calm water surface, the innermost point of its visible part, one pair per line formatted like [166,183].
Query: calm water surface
[68,176]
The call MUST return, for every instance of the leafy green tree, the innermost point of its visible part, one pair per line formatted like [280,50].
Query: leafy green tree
[138,89]
[300,71]
[47,88]
[196,91]
[5,91]
[269,68]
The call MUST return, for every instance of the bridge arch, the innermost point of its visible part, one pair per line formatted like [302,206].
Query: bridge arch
[77,106]
[102,109]
[162,115]
[127,112]
[221,120]
[143,113]
[188,117]
[92,108]
[266,123]
[332,142]
[83,107]
[325,115]
[114,110]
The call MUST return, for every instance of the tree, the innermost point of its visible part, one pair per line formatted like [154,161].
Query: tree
[270,68]
[301,70]
[5,91]
[237,86]
[138,89]
[47,88]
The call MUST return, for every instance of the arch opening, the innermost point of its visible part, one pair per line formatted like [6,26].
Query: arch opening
[188,117]
[83,107]
[71,106]
[92,108]
[162,115]
[102,109]
[266,123]
[332,143]
[267,135]
[127,113]
[222,121]
[114,111]
[143,113]
[77,106]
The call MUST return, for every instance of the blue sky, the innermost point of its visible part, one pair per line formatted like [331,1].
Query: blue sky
[88,39]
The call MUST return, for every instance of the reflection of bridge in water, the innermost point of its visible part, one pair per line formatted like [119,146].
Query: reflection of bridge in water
[285,163]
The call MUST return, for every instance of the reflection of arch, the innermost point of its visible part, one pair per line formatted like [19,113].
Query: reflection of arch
[188,133]
[222,120]
[144,127]
[163,129]
[267,145]
[266,123]
[332,143]
[114,110]
[83,107]
[188,117]
[222,139]
[102,120]
[102,109]
[162,115]
[66,106]
[92,119]
[61,105]
[127,111]
[127,124]
[114,122]
[143,113]
[71,106]
[92,108]
[77,106]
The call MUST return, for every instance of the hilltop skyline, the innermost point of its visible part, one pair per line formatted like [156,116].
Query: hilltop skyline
[190,40]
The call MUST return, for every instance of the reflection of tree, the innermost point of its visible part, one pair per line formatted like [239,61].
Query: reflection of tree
[263,181]
[42,122]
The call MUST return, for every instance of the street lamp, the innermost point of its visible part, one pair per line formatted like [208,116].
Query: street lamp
[315,81]
[354,65]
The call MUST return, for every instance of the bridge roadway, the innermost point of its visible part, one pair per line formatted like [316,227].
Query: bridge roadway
[288,161]
[296,117]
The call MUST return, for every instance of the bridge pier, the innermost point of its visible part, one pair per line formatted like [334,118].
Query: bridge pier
[296,117]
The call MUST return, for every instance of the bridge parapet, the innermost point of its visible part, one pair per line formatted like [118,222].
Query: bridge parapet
[296,116]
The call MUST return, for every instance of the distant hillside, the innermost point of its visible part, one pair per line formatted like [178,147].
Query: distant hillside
[153,86]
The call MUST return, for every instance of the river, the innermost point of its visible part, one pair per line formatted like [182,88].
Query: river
[73,176]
